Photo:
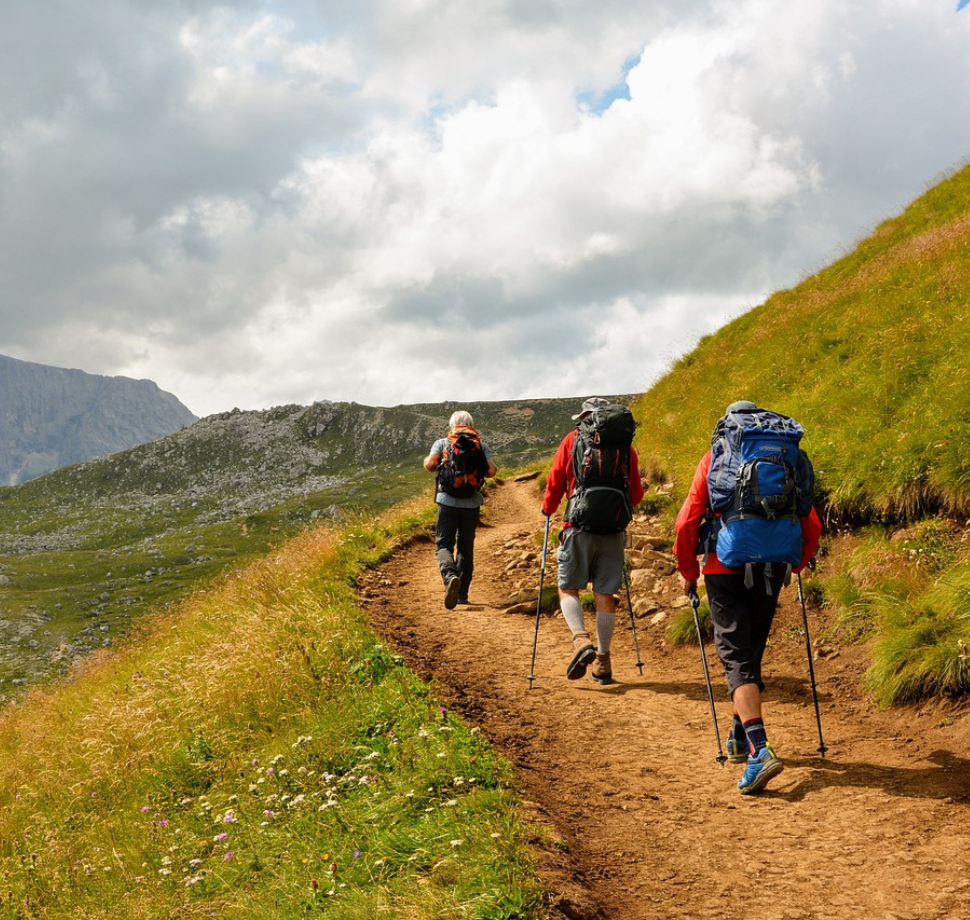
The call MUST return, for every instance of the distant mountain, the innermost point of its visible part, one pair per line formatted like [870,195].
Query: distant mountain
[52,417]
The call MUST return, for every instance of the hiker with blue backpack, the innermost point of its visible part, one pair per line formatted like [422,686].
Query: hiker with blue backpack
[597,469]
[461,462]
[750,515]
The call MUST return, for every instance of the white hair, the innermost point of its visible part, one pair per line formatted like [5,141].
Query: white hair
[461,418]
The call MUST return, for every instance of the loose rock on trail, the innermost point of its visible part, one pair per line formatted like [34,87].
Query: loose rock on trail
[644,822]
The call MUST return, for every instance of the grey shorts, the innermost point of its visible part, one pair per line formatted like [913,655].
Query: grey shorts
[591,558]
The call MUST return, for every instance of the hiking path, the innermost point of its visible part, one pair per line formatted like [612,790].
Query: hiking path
[640,821]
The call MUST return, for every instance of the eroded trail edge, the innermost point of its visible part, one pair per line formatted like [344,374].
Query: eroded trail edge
[644,822]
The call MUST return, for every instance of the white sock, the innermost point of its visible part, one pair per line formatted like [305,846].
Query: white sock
[605,627]
[572,613]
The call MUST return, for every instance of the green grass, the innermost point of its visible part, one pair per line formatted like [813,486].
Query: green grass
[257,752]
[870,355]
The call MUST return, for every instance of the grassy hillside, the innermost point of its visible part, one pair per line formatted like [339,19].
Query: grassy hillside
[256,753]
[871,355]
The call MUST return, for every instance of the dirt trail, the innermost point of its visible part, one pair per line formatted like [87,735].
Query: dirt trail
[645,823]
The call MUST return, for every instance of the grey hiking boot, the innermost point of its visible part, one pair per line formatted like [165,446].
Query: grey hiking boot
[602,670]
[452,587]
[583,654]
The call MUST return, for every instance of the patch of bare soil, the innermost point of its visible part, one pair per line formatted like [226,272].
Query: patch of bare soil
[642,822]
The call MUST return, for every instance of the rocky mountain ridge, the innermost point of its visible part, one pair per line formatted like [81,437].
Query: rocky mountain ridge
[52,417]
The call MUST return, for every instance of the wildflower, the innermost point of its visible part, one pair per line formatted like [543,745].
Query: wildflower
[228,818]
[356,854]
[229,857]
[220,837]
[144,809]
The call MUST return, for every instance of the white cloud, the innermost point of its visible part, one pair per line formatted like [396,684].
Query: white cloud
[421,200]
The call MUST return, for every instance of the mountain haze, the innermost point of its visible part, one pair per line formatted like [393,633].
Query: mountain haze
[53,417]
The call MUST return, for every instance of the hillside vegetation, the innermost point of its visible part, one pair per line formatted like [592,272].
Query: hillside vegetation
[872,355]
[257,753]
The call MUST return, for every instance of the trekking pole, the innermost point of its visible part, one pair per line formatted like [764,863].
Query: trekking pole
[811,667]
[633,622]
[695,602]
[542,577]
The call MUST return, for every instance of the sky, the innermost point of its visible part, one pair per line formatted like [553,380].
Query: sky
[401,201]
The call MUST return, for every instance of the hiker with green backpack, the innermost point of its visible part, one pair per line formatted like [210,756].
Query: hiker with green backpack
[750,515]
[461,461]
[597,469]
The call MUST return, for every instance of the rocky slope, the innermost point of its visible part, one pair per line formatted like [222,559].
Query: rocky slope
[52,417]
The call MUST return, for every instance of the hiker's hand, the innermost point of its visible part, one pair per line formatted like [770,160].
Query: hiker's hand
[688,584]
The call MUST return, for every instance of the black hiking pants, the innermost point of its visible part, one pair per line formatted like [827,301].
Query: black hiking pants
[742,620]
[456,529]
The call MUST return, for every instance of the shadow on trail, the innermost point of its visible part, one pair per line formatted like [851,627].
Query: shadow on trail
[949,779]
[788,690]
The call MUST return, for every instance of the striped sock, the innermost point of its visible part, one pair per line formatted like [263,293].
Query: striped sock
[754,730]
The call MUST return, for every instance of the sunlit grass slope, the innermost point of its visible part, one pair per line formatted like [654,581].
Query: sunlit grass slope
[872,355]
[257,753]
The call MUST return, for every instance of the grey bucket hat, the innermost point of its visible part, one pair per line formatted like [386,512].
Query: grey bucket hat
[594,402]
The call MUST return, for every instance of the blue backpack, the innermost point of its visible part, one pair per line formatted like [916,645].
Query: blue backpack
[761,483]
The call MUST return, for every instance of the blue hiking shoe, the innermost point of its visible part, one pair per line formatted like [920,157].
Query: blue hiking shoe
[737,751]
[759,770]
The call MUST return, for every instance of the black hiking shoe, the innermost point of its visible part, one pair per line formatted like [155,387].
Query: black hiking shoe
[584,654]
[452,587]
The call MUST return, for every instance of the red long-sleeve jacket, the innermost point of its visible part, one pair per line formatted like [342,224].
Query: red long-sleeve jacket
[562,480]
[692,512]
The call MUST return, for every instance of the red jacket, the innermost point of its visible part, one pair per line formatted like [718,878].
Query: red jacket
[692,512]
[562,480]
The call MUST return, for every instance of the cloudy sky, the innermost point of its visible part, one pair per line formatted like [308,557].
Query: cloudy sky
[393,201]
